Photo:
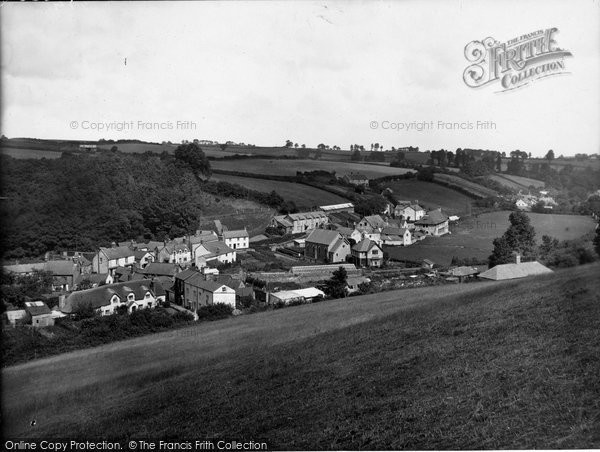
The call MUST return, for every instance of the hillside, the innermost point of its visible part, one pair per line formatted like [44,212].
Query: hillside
[480,366]
[81,202]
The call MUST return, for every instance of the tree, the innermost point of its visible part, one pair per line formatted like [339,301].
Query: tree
[288,143]
[549,155]
[519,237]
[336,287]
[355,157]
[194,157]
[597,240]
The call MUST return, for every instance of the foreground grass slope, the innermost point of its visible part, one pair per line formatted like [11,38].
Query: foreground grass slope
[479,366]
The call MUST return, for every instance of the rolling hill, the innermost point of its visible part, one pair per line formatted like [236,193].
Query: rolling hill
[476,366]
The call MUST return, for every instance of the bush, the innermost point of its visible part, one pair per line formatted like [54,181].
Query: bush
[215,311]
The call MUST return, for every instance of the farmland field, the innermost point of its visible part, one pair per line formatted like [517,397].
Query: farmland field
[472,237]
[303,195]
[24,153]
[431,196]
[516,182]
[496,365]
[289,167]
[476,189]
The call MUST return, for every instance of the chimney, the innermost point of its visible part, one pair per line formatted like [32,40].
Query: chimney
[113,245]
[518,258]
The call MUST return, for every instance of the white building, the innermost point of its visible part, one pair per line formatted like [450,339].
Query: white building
[199,292]
[237,240]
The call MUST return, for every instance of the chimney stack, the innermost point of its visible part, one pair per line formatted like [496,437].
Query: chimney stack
[518,258]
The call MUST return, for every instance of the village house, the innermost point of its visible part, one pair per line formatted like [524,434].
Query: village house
[326,246]
[14,316]
[367,254]
[199,292]
[434,223]
[236,240]
[107,260]
[371,223]
[143,258]
[38,314]
[351,234]
[295,223]
[178,284]
[427,264]
[214,252]
[396,236]
[174,253]
[356,179]
[410,212]
[522,204]
[105,300]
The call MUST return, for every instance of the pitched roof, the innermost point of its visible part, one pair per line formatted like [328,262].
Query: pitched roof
[117,252]
[433,217]
[160,268]
[364,245]
[24,268]
[281,219]
[307,215]
[217,248]
[61,268]
[463,271]
[208,285]
[323,237]
[394,231]
[37,308]
[375,221]
[186,274]
[101,295]
[229,281]
[512,271]
[140,254]
[235,234]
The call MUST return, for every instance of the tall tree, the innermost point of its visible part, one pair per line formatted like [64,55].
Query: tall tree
[336,287]
[519,237]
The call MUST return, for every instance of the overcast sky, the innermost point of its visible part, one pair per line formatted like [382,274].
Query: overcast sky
[311,72]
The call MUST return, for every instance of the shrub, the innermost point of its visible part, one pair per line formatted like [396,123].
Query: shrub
[215,311]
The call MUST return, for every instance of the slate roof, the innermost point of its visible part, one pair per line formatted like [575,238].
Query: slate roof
[512,271]
[186,274]
[394,231]
[199,281]
[375,221]
[160,268]
[217,248]
[463,271]
[364,246]
[60,268]
[307,215]
[323,237]
[235,234]
[117,252]
[347,205]
[433,217]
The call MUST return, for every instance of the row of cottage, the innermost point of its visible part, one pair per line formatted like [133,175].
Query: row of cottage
[336,233]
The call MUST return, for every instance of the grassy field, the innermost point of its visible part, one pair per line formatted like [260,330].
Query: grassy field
[21,153]
[506,365]
[303,195]
[472,187]
[432,196]
[289,167]
[516,182]
[472,237]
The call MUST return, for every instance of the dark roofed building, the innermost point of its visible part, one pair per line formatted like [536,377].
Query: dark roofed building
[324,245]
[434,223]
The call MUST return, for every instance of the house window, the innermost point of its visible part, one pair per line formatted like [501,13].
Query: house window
[130,297]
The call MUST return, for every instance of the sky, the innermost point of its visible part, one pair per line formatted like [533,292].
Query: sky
[327,72]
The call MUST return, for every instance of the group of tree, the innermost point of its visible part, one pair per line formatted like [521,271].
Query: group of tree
[17,289]
[520,238]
